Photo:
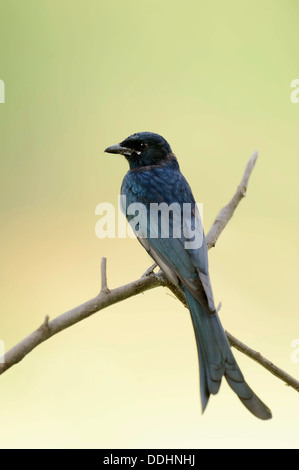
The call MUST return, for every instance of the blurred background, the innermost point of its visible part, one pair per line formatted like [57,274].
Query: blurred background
[214,79]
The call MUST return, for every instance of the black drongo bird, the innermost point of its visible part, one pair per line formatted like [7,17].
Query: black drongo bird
[168,226]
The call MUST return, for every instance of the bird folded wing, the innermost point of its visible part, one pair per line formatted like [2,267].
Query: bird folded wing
[178,261]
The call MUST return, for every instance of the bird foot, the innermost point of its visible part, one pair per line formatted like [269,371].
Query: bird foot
[150,270]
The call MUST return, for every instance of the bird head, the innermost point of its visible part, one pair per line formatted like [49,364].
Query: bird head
[143,149]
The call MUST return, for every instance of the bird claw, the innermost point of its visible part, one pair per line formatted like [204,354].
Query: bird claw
[219,307]
[150,270]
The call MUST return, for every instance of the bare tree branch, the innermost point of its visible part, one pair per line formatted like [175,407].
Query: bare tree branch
[256,356]
[60,323]
[227,211]
[149,280]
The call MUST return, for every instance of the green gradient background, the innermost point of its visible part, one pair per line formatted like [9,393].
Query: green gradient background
[214,79]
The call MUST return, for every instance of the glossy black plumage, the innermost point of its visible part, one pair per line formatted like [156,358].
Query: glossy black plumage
[154,178]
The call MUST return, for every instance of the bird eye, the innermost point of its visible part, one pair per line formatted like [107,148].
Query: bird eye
[143,145]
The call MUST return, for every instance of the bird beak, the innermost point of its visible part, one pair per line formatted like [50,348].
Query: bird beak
[119,149]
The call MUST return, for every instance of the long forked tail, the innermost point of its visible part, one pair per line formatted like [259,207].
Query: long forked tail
[216,360]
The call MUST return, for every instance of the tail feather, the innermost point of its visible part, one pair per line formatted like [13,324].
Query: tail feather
[216,360]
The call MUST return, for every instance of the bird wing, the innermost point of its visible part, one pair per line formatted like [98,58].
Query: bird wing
[178,264]
[182,252]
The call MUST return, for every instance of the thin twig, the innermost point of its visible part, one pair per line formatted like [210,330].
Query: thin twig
[227,211]
[104,286]
[256,356]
